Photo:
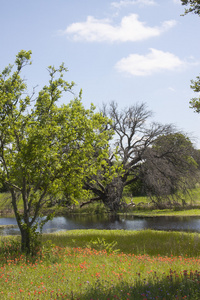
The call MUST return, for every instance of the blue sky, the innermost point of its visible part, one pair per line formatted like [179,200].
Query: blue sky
[129,51]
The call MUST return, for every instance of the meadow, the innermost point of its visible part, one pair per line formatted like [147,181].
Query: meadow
[103,264]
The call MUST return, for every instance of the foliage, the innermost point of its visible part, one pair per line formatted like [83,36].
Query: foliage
[10,248]
[136,189]
[195,102]
[45,149]
[100,244]
[194,6]
[174,156]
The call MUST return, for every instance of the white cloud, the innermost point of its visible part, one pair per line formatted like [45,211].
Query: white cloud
[124,3]
[153,62]
[130,29]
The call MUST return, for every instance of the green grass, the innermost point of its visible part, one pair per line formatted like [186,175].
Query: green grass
[84,265]
[144,206]
[149,242]
[136,242]
[192,198]
[145,209]
[166,212]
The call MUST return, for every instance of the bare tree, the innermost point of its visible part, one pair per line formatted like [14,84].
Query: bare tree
[143,151]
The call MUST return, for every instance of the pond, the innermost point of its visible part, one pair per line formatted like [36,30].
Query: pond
[191,224]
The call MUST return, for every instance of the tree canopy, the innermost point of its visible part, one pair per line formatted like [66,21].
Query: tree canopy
[170,166]
[45,148]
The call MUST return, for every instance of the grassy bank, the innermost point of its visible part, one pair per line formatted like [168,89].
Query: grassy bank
[189,212]
[103,265]
[143,207]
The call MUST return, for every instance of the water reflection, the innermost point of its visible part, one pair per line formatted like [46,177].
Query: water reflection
[108,222]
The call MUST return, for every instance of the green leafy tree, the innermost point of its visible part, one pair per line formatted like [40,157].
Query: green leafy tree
[195,102]
[194,6]
[45,149]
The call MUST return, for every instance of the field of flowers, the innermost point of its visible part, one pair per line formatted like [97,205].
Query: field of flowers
[89,274]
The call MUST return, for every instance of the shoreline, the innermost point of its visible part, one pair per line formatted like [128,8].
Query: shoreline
[191,212]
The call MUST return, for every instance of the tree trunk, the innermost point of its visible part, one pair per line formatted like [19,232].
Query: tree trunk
[25,240]
[113,194]
[25,229]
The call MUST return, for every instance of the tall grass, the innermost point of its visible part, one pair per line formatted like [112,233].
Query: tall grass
[136,242]
[148,242]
